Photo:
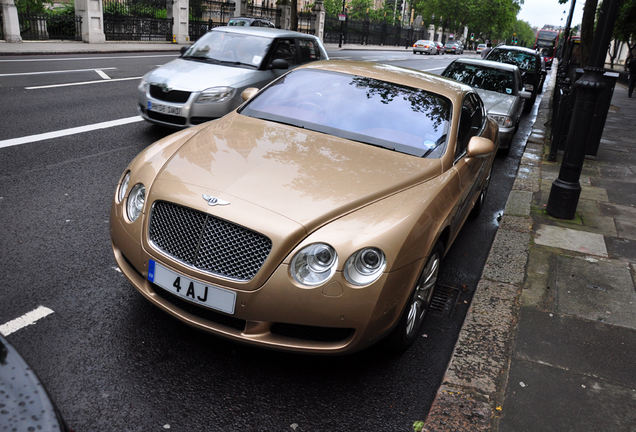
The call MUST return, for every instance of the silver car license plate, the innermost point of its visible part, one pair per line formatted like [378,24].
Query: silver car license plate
[166,109]
[191,290]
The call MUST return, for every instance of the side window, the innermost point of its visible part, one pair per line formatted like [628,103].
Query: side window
[286,50]
[470,122]
[308,51]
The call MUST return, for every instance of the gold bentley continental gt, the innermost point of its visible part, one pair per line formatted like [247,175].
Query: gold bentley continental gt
[314,218]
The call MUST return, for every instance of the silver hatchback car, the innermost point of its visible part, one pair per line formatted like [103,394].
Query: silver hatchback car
[206,82]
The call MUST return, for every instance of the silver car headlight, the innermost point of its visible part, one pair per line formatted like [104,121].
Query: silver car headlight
[314,264]
[136,200]
[365,266]
[143,85]
[502,120]
[123,187]
[216,95]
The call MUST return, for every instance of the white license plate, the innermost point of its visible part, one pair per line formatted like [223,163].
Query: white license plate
[191,290]
[166,109]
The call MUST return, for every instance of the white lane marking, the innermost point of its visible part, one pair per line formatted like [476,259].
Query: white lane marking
[27,319]
[67,132]
[102,74]
[52,72]
[88,58]
[82,83]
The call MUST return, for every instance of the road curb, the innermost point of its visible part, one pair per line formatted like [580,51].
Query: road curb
[474,384]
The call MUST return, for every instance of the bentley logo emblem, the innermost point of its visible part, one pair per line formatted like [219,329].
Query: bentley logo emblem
[214,200]
[165,88]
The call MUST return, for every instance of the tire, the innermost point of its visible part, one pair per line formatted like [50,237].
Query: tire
[476,211]
[415,311]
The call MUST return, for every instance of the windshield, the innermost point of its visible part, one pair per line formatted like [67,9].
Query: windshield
[525,61]
[366,110]
[229,48]
[482,77]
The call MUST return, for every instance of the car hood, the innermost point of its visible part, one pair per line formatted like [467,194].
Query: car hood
[190,75]
[496,103]
[303,176]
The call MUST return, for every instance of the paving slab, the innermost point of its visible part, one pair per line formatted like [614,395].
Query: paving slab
[544,398]
[569,239]
[596,290]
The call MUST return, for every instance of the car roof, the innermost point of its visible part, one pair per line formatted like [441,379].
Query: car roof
[516,48]
[263,32]
[399,75]
[489,63]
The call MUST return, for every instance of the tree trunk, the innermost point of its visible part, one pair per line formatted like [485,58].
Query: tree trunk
[587,29]
[293,23]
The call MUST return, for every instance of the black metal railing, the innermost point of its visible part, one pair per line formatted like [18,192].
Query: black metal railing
[266,12]
[367,32]
[307,22]
[45,27]
[137,20]
[207,14]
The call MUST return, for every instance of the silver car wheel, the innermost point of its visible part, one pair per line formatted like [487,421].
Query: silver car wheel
[422,294]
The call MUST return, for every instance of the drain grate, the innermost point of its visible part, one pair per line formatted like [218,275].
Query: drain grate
[443,300]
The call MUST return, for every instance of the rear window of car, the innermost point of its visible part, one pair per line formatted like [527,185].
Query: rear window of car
[482,77]
[525,61]
[309,50]
[370,111]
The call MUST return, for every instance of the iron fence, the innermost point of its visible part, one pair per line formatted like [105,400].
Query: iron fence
[367,32]
[45,27]
[207,14]
[307,22]
[1,26]
[138,20]
[266,12]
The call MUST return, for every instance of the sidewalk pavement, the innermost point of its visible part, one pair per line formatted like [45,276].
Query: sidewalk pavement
[549,342]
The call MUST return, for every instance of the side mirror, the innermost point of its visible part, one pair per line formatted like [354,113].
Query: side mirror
[184,49]
[479,147]
[249,93]
[280,64]
[525,94]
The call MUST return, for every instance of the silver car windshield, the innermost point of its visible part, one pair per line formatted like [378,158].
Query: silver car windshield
[230,49]
[367,110]
[485,78]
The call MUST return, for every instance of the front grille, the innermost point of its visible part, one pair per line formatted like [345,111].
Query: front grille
[312,333]
[207,243]
[176,96]
[199,311]
[166,118]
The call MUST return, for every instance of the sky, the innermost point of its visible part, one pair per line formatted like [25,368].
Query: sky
[541,12]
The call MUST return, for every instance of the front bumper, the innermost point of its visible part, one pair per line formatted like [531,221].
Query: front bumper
[334,318]
[191,113]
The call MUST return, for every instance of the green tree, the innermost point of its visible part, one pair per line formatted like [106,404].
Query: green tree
[625,29]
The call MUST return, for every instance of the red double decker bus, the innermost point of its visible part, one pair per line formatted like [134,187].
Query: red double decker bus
[546,43]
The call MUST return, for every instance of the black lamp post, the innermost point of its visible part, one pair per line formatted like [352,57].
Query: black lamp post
[342,24]
[566,189]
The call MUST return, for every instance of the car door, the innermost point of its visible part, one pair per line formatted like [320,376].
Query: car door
[469,169]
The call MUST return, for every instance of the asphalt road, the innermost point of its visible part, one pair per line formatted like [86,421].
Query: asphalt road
[111,360]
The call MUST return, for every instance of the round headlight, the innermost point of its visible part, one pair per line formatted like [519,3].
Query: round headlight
[365,266]
[123,187]
[314,264]
[136,201]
